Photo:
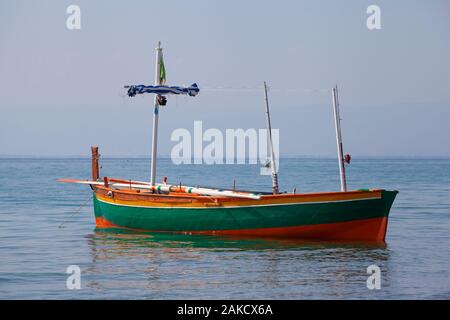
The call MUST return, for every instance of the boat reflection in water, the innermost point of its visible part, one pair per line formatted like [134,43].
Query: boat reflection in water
[171,266]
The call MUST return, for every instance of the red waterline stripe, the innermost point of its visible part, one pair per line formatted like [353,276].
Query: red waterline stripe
[373,229]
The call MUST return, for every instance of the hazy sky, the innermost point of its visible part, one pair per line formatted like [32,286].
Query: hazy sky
[62,90]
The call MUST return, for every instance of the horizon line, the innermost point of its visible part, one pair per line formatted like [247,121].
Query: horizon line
[286,156]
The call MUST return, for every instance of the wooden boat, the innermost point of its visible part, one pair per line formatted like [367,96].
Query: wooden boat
[360,215]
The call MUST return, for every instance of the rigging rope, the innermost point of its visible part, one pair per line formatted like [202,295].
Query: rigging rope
[260,88]
[76,211]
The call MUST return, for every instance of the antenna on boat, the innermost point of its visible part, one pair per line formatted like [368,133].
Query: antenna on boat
[272,153]
[158,81]
[337,120]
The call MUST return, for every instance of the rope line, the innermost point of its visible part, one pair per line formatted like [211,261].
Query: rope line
[260,88]
[76,211]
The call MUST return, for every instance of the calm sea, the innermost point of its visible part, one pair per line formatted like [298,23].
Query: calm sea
[46,226]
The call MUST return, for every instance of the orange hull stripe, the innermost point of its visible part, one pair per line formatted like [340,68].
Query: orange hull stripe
[101,222]
[358,230]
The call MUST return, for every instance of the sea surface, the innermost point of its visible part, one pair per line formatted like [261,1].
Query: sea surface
[46,226]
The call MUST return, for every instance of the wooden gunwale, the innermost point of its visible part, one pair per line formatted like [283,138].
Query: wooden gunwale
[146,198]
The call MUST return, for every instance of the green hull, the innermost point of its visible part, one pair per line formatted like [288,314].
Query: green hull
[243,218]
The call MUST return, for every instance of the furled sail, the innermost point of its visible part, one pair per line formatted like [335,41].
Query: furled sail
[192,90]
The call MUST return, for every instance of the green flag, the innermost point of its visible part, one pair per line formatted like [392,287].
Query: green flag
[162,71]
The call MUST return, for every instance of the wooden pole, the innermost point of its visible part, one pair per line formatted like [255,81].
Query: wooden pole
[337,121]
[272,153]
[95,168]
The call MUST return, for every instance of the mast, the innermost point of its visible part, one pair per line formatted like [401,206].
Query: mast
[272,153]
[155,114]
[337,120]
